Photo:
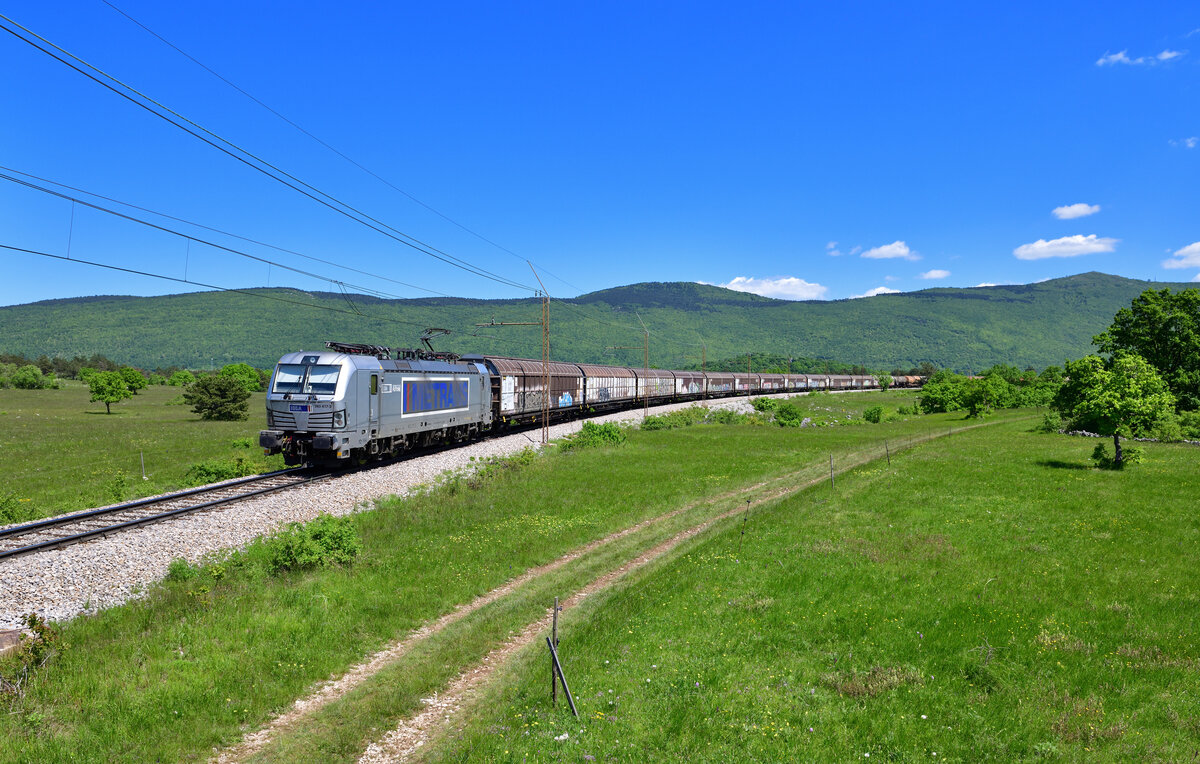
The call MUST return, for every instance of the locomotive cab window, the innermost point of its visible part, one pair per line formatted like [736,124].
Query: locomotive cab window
[374,384]
[319,379]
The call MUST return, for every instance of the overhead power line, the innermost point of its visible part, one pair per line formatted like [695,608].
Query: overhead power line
[326,145]
[222,232]
[164,229]
[244,156]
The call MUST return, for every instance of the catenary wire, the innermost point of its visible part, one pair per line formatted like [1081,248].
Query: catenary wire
[244,156]
[223,233]
[326,145]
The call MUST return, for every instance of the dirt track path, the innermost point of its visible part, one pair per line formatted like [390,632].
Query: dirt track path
[415,732]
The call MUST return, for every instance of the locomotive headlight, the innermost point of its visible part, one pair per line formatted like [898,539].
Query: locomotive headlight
[339,418]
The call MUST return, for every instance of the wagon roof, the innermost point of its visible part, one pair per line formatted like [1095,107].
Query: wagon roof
[530,366]
[596,370]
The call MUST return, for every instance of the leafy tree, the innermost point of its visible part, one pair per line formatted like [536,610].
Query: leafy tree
[244,373]
[983,394]
[944,391]
[27,378]
[108,387]
[133,378]
[1126,397]
[86,373]
[157,379]
[884,381]
[1164,329]
[181,378]
[217,397]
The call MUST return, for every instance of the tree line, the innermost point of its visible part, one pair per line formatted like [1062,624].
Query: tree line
[1144,379]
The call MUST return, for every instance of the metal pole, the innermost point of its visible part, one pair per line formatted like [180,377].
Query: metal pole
[558,668]
[554,632]
[831,471]
[889,452]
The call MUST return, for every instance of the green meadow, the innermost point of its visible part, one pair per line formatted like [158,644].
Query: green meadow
[989,595]
[62,453]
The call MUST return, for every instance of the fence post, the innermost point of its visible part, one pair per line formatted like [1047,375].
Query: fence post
[554,632]
[888,448]
[558,668]
[831,485]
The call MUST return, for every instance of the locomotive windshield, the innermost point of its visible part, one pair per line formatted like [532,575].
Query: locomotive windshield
[318,379]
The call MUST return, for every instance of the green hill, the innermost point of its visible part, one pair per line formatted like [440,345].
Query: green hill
[1037,324]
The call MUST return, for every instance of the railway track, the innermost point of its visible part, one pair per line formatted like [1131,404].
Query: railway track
[55,532]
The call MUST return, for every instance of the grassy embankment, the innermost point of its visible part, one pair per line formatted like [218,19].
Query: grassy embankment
[990,597]
[199,662]
[61,452]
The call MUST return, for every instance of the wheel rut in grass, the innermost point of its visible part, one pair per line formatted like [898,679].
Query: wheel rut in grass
[334,689]
[439,711]
[450,699]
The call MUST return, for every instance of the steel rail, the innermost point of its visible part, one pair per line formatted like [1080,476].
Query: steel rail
[51,522]
[75,538]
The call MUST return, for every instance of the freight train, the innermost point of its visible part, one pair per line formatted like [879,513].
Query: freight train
[357,402]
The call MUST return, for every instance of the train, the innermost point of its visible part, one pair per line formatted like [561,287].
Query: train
[355,402]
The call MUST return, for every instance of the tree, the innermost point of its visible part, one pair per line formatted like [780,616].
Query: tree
[244,373]
[133,379]
[1125,397]
[1164,329]
[108,387]
[884,380]
[221,398]
[181,378]
[28,378]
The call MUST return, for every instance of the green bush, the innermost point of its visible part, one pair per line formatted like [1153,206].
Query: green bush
[1051,422]
[593,435]
[874,414]
[28,378]
[180,569]
[1189,424]
[181,378]
[218,398]
[16,510]
[216,470]
[325,541]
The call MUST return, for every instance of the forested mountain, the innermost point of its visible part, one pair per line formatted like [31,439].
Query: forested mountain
[965,329]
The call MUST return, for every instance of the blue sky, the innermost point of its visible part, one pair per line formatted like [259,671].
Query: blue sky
[796,150]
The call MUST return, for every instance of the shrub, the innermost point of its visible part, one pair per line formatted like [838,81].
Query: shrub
[182,378]
[180,569]
[15,510]
[593,435]
[28,378]
[216,470]
[218,398]
[1189,424]
[874,414]
[1167,430]
[34,652]
[325,541]
[1051,422]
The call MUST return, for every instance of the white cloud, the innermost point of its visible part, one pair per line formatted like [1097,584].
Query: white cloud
[1188,257]
[832,250]
[855,250]
[890,279]
[784,288]
[1187,143]
[936,273]
[1112,59]
[876,291]
[984,284]
[1072,211]
[1067,246]
[890,251]
[1196,277]
[1108,59]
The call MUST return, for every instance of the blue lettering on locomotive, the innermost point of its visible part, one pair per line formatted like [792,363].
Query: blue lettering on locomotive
[436,395]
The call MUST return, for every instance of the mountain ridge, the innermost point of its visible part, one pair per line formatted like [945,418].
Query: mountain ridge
[965,328]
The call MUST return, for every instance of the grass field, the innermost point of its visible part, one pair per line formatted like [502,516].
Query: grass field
[991,597]
[194,665]
[988,596]
[61,452]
